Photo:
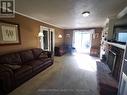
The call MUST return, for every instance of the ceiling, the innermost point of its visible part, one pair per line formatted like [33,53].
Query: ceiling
[67,14]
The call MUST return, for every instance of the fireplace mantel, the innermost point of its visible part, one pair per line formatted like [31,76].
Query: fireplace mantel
[117,45]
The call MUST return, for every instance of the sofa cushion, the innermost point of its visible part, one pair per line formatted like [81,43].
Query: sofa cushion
[21,72]
[13,67]
[26,56]
[46,60]
[22,65]
[36,64]
[6,81]
[10,59]
[37,52]
[4,68]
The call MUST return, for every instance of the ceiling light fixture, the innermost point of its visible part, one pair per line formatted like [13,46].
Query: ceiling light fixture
[86,13]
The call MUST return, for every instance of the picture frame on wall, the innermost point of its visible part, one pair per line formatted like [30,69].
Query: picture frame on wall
[9,33]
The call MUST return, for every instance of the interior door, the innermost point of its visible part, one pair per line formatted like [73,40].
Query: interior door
[44,38]
[52,40]
[47,38]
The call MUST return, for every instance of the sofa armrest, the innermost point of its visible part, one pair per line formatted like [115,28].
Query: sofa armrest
[48,53]
[5,68]
[6,79]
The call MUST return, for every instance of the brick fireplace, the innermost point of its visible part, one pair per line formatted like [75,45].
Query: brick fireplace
[114,59]
[111,59]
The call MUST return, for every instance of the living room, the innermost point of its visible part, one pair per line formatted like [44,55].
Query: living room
[39,42]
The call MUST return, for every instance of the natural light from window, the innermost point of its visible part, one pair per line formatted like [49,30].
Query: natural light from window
[86,62]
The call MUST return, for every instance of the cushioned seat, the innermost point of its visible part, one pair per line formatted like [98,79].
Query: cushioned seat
[35,64]
[23,71]
[12,67]
[6,80]
[20,66]
[13,58]
[46,60]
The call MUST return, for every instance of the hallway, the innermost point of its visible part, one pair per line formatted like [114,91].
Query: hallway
[69,75]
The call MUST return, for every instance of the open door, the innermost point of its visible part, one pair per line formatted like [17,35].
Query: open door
[82,40]
[47,39]
[52,40]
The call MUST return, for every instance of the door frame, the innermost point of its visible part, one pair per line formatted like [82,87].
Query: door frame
[49,31]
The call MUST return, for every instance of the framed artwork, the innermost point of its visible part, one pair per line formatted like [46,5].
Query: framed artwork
[9,33]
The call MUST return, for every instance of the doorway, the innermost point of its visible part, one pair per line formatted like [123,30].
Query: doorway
[82,41]
[47,38]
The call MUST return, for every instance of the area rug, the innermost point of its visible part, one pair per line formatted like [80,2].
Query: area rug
[106,83]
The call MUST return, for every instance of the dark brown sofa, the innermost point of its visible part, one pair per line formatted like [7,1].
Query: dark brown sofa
[16,68]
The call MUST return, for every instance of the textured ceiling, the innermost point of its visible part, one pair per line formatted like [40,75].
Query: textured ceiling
[67,14]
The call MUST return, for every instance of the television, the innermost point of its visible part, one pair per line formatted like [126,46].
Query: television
[120,34]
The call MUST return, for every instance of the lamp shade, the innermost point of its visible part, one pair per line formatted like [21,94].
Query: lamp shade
[59,36]
[40,34]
